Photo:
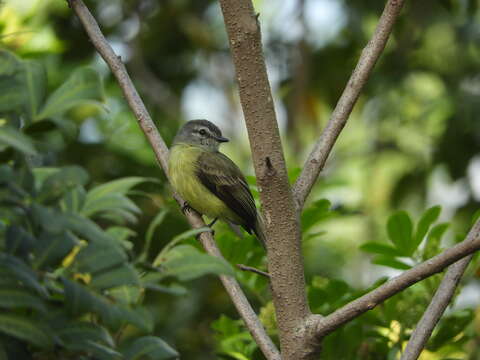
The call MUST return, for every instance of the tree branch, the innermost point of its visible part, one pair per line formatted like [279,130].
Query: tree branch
[434,312]
[161,153]
[325,325]
[254,270]
[285,262]
[370,54]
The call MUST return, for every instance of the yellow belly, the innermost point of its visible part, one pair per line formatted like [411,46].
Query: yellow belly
[181,169]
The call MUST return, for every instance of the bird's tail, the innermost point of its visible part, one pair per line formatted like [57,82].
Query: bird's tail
[259,230]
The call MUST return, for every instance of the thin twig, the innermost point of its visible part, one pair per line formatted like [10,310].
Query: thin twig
[254,270]
[435,309]
[161,153]
[326,325]
[370,54]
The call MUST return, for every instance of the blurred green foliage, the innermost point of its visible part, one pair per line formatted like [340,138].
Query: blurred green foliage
[69,145]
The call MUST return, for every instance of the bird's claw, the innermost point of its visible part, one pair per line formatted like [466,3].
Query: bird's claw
[186,208]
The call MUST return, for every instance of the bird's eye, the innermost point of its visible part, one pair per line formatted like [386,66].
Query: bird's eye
[202,132]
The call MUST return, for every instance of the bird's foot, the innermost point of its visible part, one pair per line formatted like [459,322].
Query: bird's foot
[186,208]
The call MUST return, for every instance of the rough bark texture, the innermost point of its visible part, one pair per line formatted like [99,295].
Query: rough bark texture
[370,54]
[161,153]
[326,325]
[435,309]
[285,263]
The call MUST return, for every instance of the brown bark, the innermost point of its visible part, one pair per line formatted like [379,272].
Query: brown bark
[285,263]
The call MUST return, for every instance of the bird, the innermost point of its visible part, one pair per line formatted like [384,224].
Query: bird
[209,181]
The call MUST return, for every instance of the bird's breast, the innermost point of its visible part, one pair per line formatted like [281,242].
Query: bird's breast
[182,172]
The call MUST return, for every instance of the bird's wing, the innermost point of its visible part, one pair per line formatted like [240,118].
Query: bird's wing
[224,179]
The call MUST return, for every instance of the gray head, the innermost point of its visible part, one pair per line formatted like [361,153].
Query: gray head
[202,133]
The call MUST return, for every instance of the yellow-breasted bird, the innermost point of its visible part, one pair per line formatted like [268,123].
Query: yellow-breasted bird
[208,180]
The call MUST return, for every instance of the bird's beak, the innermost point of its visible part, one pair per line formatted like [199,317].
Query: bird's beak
[221,139]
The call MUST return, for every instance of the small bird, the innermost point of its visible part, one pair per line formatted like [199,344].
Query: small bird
[209,181]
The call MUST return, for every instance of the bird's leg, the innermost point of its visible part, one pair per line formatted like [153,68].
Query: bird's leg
[211,230]
[213,222]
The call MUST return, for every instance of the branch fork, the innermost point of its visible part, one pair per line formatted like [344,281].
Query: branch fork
[300,331]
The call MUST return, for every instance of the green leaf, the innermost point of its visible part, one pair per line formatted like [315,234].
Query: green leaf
[11,137]
[19,270]
[232,338]
[80,332]
[66,178]
[85,228]
[108,203]
[25,329]
[35,80]
[434,237]
[151,347]
[9,63]
[126,294]
[380,248]
[12,298]
[73,200]
[120,186]
[428,218]
[80,300]
[139,317]
[43,216]
[18,241]
[84,85]
[390,262]
[120,275]
[172,289]
[100,351]
[12,85]
[121,235]
[185,235]
[157,220]
[50,249]
[399,228]
[186,263]
[316,212]
[98,256]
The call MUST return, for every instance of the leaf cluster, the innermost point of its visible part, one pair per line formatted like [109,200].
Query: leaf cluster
[71,284]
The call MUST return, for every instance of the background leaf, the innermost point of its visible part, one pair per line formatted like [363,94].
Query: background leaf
[187,263]
[428,218]
[25,329]
[150,347]
[84,84]
[15,139]
[399,228]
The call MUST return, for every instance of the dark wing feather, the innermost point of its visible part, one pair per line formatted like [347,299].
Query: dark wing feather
[224,179]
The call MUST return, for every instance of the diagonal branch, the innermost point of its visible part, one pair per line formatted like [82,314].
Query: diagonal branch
[370,54]
[434,311]
[285,262]
[326,325]
[161,153]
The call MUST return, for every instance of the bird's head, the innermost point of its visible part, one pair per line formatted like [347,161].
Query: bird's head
[200,133]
